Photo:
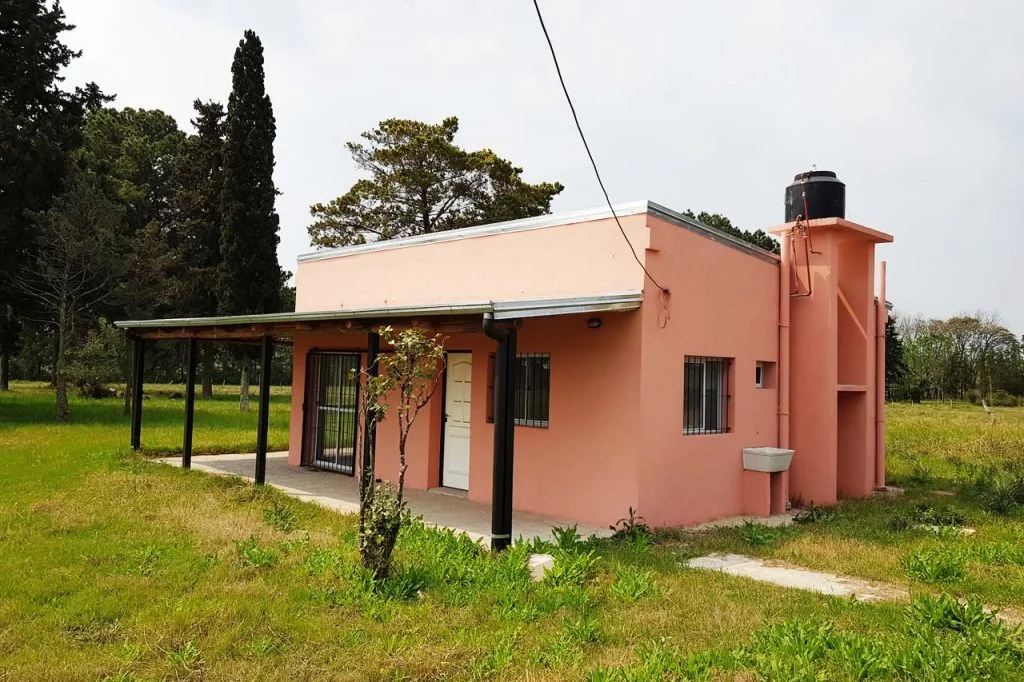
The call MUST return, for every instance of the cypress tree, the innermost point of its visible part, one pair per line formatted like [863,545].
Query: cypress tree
[250,276]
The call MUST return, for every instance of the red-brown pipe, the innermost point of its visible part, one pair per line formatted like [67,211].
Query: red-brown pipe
[882,317]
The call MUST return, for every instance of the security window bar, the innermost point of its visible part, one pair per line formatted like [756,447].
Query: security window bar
[533,389]
[335,406]
[705,395]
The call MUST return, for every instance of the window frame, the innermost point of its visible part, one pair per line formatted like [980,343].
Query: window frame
[524,420]
[760,370]
[720,395]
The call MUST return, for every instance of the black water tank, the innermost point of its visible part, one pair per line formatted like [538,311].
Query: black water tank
[825,196]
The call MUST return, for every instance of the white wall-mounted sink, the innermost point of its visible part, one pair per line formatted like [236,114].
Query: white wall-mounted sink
[767,460]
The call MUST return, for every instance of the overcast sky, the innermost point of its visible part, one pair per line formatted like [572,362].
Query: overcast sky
[917,105]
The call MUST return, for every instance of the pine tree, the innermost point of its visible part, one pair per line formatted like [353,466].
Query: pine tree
[199,181]
[40,123]
[250,276]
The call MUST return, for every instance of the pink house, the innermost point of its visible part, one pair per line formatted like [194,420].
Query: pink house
[724,380]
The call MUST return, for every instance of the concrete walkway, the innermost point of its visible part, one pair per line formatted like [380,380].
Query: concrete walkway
[798,578]
[440,507]
[816,581]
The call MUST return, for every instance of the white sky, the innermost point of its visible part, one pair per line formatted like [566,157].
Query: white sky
[714,106]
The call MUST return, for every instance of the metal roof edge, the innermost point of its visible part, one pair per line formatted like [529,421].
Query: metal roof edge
[520,225]
[623,300]
[680,220]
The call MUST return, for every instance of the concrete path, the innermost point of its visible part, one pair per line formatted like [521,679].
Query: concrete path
[815,581]
[798,578]
[439,507]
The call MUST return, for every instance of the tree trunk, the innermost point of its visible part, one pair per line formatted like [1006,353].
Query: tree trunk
[207,393]
[243,399]
[5,371]
[60,381]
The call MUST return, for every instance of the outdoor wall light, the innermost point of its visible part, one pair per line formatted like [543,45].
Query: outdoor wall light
[594,322]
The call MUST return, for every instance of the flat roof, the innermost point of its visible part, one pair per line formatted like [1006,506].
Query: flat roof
[285,324]
[543,221]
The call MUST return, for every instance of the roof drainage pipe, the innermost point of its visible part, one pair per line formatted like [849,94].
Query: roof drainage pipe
[781,496]
[504,431]
[880,323]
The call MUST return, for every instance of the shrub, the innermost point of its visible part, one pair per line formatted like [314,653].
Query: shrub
[99,360]
[252,554]
[939,565]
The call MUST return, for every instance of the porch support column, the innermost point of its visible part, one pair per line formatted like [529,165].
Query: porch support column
[190,402]
[504,433]
[263,422]
[138,365]
[370,425]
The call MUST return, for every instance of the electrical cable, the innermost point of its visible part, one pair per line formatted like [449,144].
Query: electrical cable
[586,146]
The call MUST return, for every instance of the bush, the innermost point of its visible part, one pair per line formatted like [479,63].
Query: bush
[97,361]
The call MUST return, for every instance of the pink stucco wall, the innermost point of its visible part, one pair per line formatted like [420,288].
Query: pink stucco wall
[615,436]
[724,303]
[584,466]
[562,260]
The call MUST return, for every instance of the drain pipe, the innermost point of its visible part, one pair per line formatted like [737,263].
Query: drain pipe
[882,317]
[784,302]
[504,432]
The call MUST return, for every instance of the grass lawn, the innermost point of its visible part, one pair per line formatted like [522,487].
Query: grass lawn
[115,568]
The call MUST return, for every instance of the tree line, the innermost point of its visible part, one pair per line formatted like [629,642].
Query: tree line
[110,213]
[966,357]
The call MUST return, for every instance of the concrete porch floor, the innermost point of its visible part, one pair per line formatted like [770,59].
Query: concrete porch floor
[340,493]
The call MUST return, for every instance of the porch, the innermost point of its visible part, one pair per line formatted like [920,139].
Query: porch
[438,507]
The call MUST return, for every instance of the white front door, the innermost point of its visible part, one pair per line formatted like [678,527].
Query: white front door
[455,473]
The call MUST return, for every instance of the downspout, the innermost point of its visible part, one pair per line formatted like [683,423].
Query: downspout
[882,318]
[504,433]
[784,303]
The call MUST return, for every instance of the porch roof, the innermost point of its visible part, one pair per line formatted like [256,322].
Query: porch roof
[442,317]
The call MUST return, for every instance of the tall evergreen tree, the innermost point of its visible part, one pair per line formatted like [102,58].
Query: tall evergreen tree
[40,123]
[199,172]
[250,276]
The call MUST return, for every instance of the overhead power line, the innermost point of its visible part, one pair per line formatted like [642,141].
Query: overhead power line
[590,155]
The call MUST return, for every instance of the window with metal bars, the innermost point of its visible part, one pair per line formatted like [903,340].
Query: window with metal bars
[532,374]
[706,394]
[533,389]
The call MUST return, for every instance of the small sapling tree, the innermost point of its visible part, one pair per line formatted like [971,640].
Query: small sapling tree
[408,375]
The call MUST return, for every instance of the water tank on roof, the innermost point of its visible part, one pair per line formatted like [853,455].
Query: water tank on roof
[819,192]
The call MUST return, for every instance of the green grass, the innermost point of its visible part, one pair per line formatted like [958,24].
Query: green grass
[116,568]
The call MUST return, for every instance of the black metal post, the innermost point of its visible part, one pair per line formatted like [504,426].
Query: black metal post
[138,365]
[263,422]
[370,425]
[190,402]
[504,434]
